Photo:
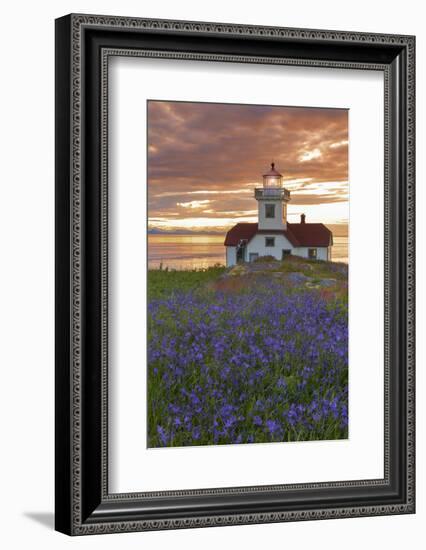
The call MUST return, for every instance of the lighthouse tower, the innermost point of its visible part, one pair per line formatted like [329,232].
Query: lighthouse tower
[272,201]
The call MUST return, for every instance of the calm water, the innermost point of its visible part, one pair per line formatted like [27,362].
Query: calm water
[200,251]
[339,252]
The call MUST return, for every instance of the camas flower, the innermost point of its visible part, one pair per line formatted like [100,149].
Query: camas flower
[219,363]
[272,426]
[163,435]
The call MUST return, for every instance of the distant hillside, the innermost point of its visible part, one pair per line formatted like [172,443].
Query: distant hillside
[156,231]
[338,230]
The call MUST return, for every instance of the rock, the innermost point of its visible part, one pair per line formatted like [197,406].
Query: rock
[261,267]
[323,283]
[327,282]
[238,270]
[312,285]
[306,267]
[297,277]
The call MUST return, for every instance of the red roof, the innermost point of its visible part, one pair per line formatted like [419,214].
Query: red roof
[311,234]
[239,232]
[298,234]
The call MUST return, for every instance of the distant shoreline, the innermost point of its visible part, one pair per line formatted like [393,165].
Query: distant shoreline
[338,230]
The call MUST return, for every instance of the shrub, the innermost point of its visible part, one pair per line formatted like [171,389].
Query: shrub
[263,259]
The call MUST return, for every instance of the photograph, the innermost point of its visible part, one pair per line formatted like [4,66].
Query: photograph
[235,263]
[248,256]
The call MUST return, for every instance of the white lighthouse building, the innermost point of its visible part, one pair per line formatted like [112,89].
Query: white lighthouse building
[273,235]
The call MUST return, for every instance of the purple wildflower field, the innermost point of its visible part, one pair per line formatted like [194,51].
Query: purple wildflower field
[263,362]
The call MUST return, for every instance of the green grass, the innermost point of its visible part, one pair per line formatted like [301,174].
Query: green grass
[162,282]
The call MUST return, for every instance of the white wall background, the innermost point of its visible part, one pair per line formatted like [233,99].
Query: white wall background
[26,289]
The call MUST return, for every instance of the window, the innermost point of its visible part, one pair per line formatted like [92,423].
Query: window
[286,252]
[269,241]
[269,210]
[312,253]
[253,256]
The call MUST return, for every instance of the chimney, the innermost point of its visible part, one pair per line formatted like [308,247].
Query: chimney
[302,218]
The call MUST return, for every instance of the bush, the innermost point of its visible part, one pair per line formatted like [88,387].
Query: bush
[263,259]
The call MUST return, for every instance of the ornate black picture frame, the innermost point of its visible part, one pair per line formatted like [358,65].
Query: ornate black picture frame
[83,45]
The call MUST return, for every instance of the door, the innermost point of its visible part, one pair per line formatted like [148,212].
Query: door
[241,254]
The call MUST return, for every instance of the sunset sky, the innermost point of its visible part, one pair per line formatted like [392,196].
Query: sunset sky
[205,159]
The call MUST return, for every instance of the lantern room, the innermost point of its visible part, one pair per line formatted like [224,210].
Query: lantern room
[272,179]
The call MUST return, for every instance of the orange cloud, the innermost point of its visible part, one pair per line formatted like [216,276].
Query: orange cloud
[206,159]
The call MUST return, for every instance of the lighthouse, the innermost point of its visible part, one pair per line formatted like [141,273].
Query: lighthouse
[272,201]
[273,235]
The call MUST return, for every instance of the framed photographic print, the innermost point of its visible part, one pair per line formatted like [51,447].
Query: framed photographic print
[234,274]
